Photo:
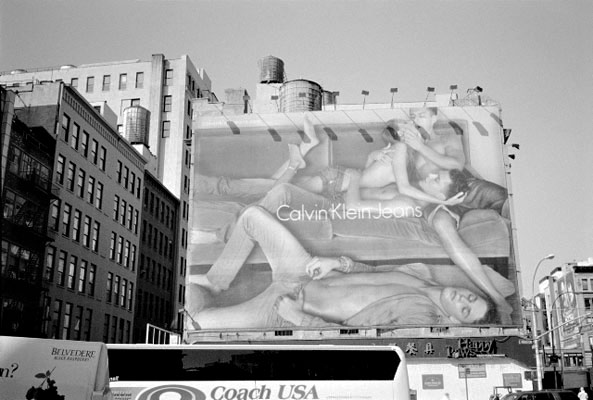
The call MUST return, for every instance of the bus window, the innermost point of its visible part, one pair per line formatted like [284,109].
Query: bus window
[267,372]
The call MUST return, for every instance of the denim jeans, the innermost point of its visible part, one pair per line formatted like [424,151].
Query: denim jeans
[287,259]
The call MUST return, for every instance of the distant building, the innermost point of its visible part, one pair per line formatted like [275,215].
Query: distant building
[165,88]
[157,276]
[90,264]
[567,311]
[26,196]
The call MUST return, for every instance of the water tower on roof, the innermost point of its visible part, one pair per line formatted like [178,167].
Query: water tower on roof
[136,125]
[271,70]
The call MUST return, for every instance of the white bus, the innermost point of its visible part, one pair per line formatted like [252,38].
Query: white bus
[249,372]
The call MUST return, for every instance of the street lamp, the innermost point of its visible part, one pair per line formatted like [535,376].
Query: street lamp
[538,364]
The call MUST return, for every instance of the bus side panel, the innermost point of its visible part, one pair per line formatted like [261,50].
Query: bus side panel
[33,368]
[402,383]
[265,390]
[101,389]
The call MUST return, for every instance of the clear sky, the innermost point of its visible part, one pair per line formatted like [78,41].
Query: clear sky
[534,56]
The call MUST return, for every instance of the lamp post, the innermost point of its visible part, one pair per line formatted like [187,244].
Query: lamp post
[538,364]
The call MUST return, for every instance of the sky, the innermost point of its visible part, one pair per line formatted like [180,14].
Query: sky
[533,56]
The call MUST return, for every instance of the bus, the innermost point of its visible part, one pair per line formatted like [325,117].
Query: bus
[253,371]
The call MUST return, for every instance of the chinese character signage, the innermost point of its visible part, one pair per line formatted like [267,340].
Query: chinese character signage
[378,218]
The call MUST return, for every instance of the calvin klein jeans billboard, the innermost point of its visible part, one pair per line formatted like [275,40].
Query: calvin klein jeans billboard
[365,218]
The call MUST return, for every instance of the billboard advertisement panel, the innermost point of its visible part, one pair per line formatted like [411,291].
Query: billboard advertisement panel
[567,311]
[358,218]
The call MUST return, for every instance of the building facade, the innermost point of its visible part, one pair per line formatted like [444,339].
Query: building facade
[90,265]
[567,317]
[157,278]
[26,196]
[163,86]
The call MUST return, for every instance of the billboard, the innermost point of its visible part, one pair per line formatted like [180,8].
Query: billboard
[567,311]
[350,218]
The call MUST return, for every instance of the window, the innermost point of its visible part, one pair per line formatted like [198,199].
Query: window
[46,315]
[65,127]
[91,280]
[90,84]
[87,325]
[84,143]
[138,187]
[116,289]
[135,223]
[99,196]
[585,283]
[54,215]
[187,132]
[126,177]
[60,165]
[90,190]
[67,318]
[120,245]
[121,330]
[126,260]
[78,323]
[70,282]
[133,183]
[109,288]
[133,258]
[95,239]
[50,260]
[168,77]
[130,295]
[86,232]
[102,158]
[115,207]
[82,276]
[122,212]
[74,82]
[94,149]
[119,170]
[124,293]
[80,183]
[75,136]
[106,82]
[120,129]
[167,103]
[129,217]
[134,102]
[70,176]
[56,317]
[123,81]
[166,131]
[60,274]
[139,80]
[113,329]
[189,108]
[66,219]
[76,225]
[112,245]
[106,328]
